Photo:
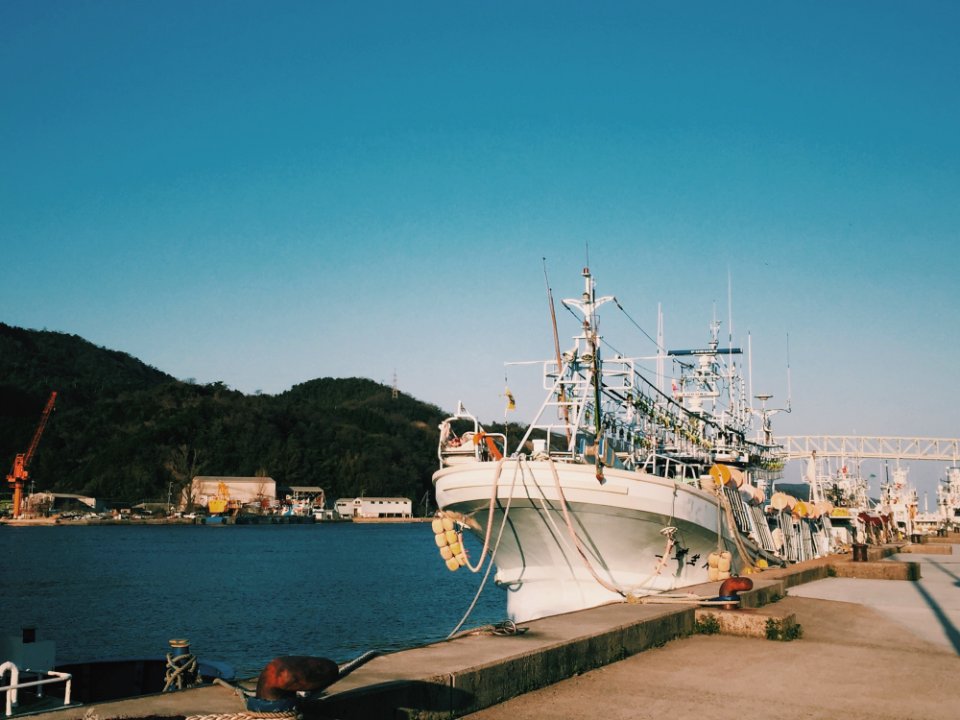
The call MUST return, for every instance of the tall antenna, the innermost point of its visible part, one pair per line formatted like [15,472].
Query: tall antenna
[729,309]
[730,370]
[394,393]
[789,389]
[660,351]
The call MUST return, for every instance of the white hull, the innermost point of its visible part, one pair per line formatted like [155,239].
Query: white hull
[619,524]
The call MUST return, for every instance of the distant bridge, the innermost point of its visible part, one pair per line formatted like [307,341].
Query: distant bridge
[861,448]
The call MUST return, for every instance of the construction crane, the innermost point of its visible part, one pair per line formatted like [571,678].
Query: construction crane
[21,462]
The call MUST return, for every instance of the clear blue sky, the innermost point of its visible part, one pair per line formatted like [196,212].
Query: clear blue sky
[267,192]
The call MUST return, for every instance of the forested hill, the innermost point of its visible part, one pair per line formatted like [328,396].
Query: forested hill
[123,430]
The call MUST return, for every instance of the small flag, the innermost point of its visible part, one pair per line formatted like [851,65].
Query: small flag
[511,403]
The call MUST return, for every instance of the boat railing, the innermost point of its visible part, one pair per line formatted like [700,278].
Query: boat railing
[473,445]
[670,467]
[11,691]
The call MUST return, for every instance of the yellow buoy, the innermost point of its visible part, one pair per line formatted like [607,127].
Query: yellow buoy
[720,474]
[441,539]
[451,536]
[452,564]
[437,525]
[723,564]
[455,548]
[446,553]
[447,523]
[713,574]
[713,559]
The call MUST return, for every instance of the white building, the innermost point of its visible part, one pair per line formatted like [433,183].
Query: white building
[374,507]
[51,502]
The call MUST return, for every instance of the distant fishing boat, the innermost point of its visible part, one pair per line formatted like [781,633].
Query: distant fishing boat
[899,502]
[948,498]
[843,492]
[616,489]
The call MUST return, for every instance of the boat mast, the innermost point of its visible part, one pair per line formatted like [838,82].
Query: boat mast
[564,409]
[587,305]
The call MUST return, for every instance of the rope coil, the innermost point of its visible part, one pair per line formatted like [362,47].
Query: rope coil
[182,672]
[250,715]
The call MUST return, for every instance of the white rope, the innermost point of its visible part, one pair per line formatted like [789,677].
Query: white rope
[683,600]
[558,534]
[493,554]
[248,715]
[573,534]
[486,538]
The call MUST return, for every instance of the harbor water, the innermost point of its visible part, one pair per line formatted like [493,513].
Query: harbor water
[240,594]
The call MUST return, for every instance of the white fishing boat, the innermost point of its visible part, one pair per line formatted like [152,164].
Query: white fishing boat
[841,490]
[898,501]
[616,490]
[948,498]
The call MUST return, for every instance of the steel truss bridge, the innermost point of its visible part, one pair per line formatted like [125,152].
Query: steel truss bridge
[862,448]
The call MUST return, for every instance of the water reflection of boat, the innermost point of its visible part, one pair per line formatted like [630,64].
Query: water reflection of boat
[617,489]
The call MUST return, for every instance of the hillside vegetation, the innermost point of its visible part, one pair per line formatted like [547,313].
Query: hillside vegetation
[125,431]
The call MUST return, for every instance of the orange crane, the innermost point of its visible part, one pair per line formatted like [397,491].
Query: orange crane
[22,461]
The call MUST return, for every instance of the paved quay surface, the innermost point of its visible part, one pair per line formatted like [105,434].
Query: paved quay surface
[871,649]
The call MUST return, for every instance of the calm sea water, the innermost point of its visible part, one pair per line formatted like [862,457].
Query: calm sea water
[240,594]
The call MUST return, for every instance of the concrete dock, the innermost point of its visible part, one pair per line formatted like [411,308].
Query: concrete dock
[878,639]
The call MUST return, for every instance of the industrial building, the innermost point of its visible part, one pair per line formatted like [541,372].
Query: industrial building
[240,490]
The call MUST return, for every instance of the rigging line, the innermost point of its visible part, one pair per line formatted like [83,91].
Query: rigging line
[641,368]
[572,312]
[617,303]
[637,325]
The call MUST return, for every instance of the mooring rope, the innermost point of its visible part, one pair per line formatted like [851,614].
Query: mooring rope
[573,534]
[493,553]
[249,715]
[493,502]
[181,672]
